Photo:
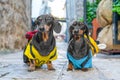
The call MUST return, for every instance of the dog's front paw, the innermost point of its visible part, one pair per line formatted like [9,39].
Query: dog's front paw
[69,69]
[84,69]
[51,68]
[31,68]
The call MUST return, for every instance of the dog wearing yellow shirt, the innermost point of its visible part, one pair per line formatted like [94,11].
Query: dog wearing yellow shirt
[41,49]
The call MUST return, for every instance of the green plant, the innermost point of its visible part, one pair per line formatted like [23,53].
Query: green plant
[91,10]
[116,6]
[81,20]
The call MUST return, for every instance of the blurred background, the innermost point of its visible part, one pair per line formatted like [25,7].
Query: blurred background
[17,18]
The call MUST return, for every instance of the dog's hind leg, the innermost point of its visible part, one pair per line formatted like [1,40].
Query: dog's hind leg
[32,65]
[70,66]
[50,66]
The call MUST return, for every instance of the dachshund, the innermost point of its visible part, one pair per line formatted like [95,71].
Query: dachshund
[80,46]
[41,49]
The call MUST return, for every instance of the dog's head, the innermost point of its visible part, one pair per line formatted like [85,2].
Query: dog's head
[77,29]
[46,23]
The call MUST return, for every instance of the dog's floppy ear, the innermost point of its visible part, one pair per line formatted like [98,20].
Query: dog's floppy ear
[86,29]
[57,26]
[70,31]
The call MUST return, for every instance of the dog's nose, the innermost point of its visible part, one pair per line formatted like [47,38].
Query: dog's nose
[42,29]
[75,31]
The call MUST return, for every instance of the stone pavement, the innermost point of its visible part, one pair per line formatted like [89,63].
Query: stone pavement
[105,67]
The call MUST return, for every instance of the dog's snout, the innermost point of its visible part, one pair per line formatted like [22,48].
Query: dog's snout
[75,31]
[42,29]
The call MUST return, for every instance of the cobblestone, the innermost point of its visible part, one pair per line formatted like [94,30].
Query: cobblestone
[105,67]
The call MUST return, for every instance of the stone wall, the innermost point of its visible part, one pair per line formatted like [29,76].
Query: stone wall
[14,22]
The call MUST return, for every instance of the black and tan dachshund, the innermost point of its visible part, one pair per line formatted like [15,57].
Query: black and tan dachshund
[41,49]
[80,48]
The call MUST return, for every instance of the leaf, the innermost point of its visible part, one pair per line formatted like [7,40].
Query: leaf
[91,10]
[116,6]
[81,20]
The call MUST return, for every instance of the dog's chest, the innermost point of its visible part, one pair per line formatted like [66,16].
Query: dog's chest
[45,45]
[78,49]
[44,48]
[77,46]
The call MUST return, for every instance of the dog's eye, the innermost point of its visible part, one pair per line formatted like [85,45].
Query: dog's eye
[75,23]
[79,24]
[40,20]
